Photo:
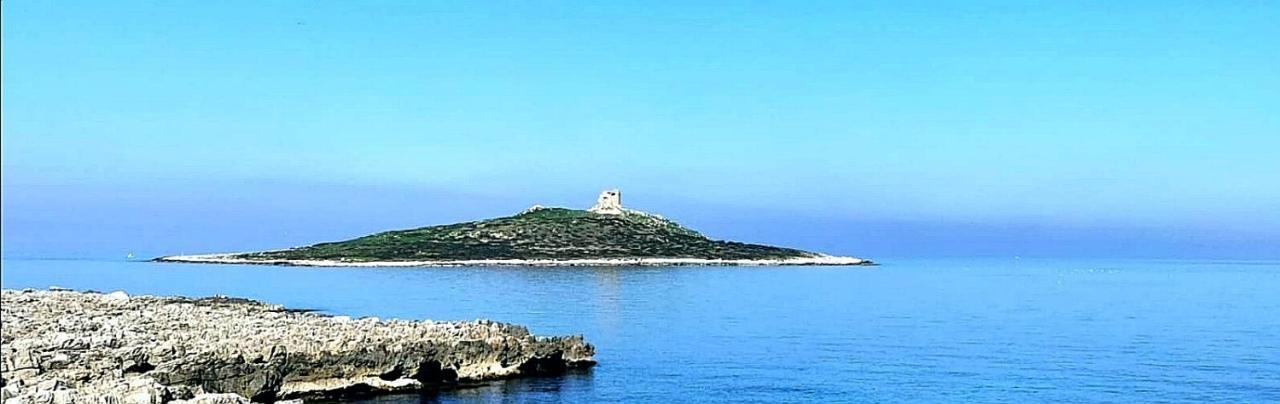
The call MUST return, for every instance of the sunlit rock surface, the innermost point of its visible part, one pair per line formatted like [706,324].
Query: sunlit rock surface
[71,347]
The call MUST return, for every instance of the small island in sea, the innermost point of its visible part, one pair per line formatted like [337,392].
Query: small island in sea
[605,235]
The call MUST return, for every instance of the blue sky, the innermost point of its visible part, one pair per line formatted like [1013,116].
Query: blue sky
[1142,129]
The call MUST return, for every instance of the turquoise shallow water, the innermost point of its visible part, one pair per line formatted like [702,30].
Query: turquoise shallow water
[975,330]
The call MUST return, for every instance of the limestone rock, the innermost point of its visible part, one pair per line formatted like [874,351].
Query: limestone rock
[70,347]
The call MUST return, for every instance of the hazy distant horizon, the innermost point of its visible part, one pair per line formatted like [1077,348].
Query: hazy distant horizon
[1144,130]
[264,215]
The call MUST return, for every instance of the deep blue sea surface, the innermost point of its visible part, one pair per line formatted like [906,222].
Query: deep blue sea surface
[972,330]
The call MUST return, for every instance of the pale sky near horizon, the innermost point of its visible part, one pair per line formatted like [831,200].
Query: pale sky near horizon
[1100,129]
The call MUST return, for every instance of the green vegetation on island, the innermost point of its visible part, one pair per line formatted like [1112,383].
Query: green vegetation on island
[538,234]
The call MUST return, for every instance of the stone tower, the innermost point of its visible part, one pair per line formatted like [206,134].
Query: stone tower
[609,203]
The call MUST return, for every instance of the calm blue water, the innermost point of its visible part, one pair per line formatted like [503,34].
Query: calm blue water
[910,330]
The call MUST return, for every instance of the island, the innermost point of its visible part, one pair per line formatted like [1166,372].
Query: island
[604,235]
[63,346]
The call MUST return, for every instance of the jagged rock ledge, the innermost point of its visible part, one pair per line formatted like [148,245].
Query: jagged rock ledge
[61,346]
[235,258]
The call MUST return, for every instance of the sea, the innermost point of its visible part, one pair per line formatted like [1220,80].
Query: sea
[981,330]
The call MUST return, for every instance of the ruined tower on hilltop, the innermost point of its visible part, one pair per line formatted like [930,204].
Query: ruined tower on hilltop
[609,203]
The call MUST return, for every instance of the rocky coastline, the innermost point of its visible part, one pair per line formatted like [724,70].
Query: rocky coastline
[62,346]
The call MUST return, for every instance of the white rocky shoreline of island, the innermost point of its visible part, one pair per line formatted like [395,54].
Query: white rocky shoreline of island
[233,258]
[63,346]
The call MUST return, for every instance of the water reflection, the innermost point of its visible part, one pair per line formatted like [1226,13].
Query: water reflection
[575,384]
[978,330]
[608,298]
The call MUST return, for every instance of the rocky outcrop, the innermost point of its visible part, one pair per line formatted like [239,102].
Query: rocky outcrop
[70,347]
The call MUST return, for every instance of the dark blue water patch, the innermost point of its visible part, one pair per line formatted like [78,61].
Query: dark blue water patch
[984,330]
